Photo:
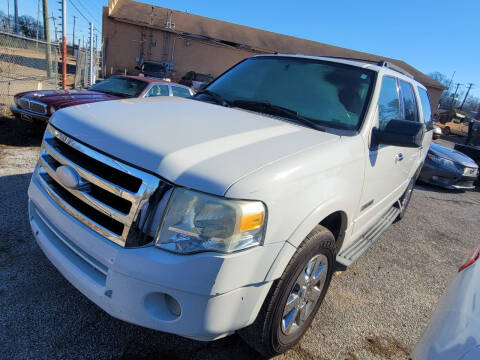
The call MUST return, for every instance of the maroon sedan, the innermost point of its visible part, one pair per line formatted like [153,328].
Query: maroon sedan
[40,105]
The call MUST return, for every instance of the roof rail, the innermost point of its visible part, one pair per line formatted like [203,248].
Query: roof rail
[388,64]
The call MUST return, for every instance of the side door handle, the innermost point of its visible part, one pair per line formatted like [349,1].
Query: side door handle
[398,157]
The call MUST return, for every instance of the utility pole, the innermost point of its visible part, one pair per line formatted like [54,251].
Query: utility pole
[73,40]
[64,44]
[55,27]
[91,79]
[38,20]
[8,15]
[15,9]
[46,32]
[451,79]
[454,94]
[465,98]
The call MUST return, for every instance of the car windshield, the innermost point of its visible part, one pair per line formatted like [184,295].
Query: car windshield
[120,86]
[330,94]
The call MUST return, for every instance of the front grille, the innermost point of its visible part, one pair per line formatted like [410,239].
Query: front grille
[33,106]
[111,194]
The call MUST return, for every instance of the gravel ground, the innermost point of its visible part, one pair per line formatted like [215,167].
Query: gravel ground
[377,309]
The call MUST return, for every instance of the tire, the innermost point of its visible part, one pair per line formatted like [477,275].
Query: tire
[405,199]
[278,328]
[446,130]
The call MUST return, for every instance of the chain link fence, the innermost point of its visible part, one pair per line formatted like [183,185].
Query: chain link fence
[24,67]
[82,73]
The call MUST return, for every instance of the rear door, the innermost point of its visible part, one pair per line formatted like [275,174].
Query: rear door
[411,156]
[426,115]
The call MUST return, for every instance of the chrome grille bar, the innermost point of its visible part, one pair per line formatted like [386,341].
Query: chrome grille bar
[32,105]
[108,208]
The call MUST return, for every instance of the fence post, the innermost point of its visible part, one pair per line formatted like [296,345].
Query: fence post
[64,44]
[91,56]
[46,30]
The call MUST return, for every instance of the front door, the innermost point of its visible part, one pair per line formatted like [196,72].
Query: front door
[388,168]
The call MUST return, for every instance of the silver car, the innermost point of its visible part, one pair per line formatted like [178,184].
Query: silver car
[453,331]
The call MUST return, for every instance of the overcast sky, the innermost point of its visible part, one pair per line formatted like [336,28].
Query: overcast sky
[430,35]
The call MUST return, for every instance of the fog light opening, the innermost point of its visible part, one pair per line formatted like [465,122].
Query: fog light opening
[173,306]
[163,306]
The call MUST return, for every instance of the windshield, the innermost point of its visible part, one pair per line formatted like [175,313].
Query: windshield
[120,86]
[330,94]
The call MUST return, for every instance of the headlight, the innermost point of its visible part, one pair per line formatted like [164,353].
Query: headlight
[15,100]
[196,222]
[52,109]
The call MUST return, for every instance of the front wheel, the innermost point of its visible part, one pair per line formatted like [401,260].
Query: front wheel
[446,131]
[294,299]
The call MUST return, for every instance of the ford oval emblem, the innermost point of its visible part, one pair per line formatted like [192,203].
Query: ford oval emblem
[68,177]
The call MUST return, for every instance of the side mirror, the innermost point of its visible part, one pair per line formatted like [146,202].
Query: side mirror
[402,133]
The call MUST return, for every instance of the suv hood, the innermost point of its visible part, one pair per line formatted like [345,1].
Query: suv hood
[190,143]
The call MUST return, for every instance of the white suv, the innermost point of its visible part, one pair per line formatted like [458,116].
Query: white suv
[230,211]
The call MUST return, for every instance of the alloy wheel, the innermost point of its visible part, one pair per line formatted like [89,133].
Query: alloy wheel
[304,294]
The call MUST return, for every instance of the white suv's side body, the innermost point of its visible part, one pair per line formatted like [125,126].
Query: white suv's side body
[303,177]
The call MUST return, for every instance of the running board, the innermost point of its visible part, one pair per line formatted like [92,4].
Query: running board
[348,255]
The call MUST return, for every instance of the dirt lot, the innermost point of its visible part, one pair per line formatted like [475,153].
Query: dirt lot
[377,309]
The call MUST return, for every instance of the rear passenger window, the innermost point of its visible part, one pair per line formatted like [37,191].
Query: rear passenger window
[158,90]
[409,105]
[388,103]
[426,109]
[180,91]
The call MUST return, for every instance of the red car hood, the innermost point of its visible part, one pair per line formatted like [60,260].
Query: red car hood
[64,98]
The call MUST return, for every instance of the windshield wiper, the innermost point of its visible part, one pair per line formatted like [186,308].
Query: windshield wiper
[266,107]
[216,97]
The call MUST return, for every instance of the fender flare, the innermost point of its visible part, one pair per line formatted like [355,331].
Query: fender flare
[300,233]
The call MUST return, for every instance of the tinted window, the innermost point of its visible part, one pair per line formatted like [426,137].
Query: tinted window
[388,103]
[203,78]
[426,108]
[158,90]
[409,105]
[153,67]
[188,76]
[327,93]
[180,91]
[120,86]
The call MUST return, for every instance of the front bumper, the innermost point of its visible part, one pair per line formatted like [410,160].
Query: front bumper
[217,293]
[431,174]
[29,115]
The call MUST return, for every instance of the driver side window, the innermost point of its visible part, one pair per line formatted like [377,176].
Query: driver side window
[388,103]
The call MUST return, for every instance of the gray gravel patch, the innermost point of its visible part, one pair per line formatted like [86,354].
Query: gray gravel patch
[377,309]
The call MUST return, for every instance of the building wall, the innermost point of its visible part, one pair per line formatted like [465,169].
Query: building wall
[123,44]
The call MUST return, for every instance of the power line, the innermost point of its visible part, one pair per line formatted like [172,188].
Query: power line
[81,13]
[88,12]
